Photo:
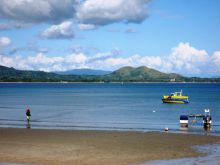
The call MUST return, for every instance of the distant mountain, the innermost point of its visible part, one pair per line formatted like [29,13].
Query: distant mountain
[84,72]
[125,74]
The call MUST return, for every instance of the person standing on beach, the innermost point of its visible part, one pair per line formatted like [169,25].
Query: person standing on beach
[28,114]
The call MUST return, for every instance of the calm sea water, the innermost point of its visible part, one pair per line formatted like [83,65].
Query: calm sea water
[128,106]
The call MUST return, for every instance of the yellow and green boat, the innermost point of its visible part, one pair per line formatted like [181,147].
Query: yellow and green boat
[176,98]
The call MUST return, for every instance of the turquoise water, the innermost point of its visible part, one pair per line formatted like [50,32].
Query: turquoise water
[103,106]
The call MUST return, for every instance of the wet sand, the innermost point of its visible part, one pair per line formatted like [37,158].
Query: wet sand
[55,147]
[212,158]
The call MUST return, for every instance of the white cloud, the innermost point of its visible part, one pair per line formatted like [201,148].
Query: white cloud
[4,42]
[88,13]
[114,62]
[102,12]
[86,26]
[45,63]
[42,59]
[215,62]
[187,53]
[79,58]
[7,61]
[183,59]
[61,31]
[32,11]
[186,58]
[216,58]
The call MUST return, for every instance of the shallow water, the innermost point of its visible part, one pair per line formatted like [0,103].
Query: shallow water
[128,106]
[213,157]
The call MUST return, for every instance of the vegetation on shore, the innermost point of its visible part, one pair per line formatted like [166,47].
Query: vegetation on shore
[125,74]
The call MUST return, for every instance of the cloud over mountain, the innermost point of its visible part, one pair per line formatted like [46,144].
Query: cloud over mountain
[188,58]
[183,59]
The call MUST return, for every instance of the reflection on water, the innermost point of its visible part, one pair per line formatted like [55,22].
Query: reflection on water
[28,125]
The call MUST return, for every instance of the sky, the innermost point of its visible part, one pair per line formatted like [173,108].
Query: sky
[180,36]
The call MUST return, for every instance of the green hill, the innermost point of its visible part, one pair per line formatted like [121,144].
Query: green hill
[125,74]
[142,74]
[13,75]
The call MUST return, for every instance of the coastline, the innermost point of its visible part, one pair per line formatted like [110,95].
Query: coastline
[98,82]
[47,147]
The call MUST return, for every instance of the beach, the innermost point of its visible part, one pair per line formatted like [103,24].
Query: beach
[55,147]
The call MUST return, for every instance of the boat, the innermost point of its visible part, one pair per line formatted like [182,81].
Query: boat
[176,98]
[207,119]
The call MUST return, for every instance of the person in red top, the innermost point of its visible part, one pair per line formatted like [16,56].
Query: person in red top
[28,114]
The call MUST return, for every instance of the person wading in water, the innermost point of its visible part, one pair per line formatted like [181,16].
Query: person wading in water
[28,114]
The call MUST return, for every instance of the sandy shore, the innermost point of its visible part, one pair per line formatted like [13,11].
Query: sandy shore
[55,147]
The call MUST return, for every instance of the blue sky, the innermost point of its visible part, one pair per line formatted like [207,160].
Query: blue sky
[179,36]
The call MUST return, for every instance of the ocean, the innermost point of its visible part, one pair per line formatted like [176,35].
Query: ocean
[107,106]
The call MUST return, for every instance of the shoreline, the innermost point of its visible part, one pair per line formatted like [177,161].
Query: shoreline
[47,147]
[22,82]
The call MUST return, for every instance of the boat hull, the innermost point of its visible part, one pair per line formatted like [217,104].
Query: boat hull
[175,101]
